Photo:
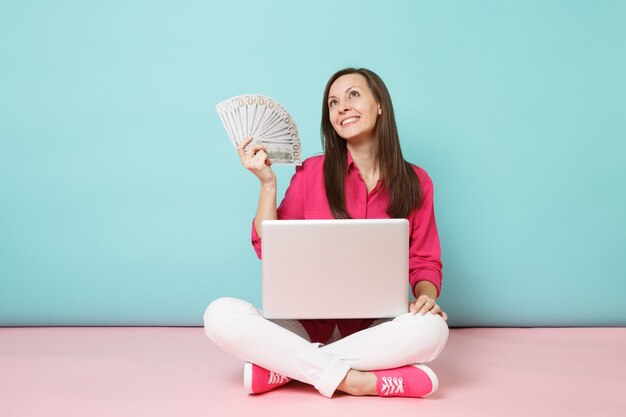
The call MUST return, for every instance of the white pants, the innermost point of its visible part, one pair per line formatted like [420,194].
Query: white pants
[283,346]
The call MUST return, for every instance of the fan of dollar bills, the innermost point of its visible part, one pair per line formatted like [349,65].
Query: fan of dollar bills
[266,121]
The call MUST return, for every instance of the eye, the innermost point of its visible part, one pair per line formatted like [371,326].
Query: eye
[354,93]
[332,102]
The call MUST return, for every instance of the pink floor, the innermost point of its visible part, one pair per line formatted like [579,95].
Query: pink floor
[177,372]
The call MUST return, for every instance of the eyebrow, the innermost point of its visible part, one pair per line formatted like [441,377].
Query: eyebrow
[347,89]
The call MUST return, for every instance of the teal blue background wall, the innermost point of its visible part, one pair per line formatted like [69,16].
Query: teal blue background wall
[122,201]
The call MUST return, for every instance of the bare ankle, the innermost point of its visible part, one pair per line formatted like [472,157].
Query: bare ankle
[358,383]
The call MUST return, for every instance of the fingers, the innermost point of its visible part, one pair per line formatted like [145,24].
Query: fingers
[437,310]
[241,148]
[258,160]
[424,304]
[428,306]
[255,157]
[260,154]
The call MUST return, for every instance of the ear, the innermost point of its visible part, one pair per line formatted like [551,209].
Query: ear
[380,111]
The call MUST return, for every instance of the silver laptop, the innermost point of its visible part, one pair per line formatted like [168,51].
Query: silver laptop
[318,269]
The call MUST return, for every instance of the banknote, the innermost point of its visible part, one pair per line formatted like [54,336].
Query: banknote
[267,121]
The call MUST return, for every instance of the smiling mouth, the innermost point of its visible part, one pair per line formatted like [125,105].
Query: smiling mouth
[350,120]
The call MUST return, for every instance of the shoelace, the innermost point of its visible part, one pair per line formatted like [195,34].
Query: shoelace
[392,386]
[276,378]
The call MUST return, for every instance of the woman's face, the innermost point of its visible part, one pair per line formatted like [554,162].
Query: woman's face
[352,108]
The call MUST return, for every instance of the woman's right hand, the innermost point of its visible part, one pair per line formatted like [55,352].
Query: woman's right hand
[255,160]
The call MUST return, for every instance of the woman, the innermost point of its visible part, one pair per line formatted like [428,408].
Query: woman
[362,174]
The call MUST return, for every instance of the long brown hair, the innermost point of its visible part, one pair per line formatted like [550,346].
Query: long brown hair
[399,178]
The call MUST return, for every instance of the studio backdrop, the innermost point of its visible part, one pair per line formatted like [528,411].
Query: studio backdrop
[123,201]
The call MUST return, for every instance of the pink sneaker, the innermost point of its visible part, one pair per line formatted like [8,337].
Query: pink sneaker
[408,381]
[257,380]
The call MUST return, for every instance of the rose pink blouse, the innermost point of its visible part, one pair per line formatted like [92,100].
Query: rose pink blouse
[305,198]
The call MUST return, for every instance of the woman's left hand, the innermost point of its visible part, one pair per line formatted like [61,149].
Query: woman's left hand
[424,304]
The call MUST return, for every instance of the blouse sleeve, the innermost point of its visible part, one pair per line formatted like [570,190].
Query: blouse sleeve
[291,208]
[424,248]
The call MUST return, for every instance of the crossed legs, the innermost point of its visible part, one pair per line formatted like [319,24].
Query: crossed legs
[284,347]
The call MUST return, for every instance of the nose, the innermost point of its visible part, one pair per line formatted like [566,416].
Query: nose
[344,108]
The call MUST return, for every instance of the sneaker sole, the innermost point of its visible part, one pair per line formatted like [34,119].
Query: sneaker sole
[247,378]
[433,378]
